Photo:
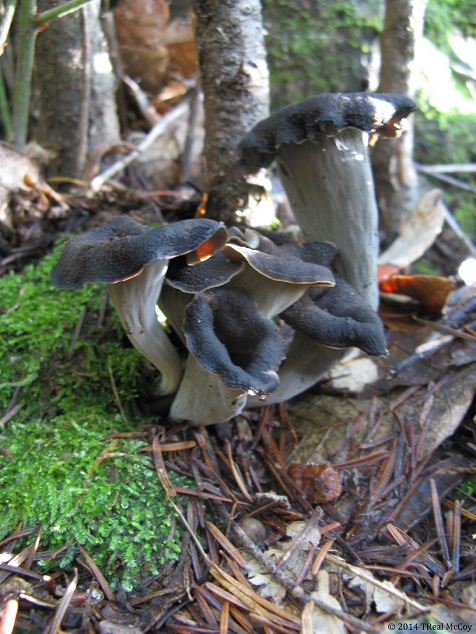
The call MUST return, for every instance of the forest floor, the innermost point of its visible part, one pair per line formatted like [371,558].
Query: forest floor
[349,508]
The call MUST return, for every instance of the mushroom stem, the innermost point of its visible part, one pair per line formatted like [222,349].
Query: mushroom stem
[330,187]
[306,363]
[135,302]
[203,398]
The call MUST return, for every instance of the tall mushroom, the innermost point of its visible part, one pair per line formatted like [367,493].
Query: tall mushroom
[132,260]
[320,146]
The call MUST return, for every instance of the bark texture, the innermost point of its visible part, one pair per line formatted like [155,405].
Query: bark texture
[234,76]
[396,180]
[75,88]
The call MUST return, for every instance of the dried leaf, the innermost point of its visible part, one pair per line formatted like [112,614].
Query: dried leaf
[430,291]
[140,29]
[323,621]
[382,594]
[17,170]
[417,233]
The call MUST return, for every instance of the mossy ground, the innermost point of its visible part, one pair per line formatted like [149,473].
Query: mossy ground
[58,469]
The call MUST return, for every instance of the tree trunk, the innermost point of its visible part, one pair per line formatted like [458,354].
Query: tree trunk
[234,77]
[75,86]
[395,176]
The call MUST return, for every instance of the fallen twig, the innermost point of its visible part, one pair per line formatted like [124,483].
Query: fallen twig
[55,623]
[98,182]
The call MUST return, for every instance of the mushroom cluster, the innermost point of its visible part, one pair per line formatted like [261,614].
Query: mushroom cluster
[260,316]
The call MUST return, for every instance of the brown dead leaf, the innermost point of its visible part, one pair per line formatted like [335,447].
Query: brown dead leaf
[180,42]
[140,28]
[319,483]
[154,49]
[141,22]
[429,291]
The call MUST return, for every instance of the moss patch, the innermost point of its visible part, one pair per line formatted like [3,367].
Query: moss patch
[58,471]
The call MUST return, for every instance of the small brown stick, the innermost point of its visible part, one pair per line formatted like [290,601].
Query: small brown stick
[321,555]
[24,557]
[373,457]
[383,478]
[226,544]
[284,416]
[201,596]
[306,566]
[116,393]
[236,473]
[456,537]
[55,623]
[159,128]
[360,572]
[202,494]
[440,528]
[398,571]
[266,417]
[414,558]
[9,617]
[76,333]
[203,441]
[224,617]
[160,468]
[10,414]
[95,572]
[241,619]
[402,539]
[453,604]
[254,602]
[170,446]
[445,329]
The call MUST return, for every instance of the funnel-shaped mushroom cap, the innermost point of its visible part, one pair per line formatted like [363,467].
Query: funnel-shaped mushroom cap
[337,318]
[275,264]
[235,351]
[132,260]
[229,338]
[121,247]
[215,271]
[328,114]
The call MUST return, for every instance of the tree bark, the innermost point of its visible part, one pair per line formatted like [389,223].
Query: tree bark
[234,77]
[395,176]
[75,87]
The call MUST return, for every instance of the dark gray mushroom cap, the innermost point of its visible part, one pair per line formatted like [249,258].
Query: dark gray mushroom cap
[120,248]
[337,318]
[296,264]
[323,253]
[275,264]
[229,338]
[327,113]
[215,271]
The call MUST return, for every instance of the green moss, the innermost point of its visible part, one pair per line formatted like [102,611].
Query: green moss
[58,471]
[322,47]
